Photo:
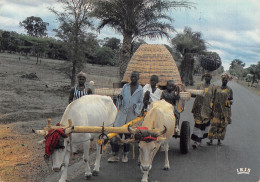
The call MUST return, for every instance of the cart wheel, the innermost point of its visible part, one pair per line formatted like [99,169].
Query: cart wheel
[185,137]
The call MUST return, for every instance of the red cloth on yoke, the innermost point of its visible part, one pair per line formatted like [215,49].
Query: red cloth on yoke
[52,139]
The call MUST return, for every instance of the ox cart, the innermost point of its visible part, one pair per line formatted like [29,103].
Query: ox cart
[148,60]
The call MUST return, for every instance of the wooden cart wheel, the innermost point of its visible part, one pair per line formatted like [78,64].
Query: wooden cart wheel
[185,137]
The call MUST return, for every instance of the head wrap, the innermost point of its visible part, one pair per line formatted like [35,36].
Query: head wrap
[207,74]
[82,74]
[136,73]
[226,76]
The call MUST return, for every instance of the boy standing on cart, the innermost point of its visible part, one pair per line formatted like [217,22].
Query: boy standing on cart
[171,95]
[130,105]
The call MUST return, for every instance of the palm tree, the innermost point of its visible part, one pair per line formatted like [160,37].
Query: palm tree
[189,45]
[136,19]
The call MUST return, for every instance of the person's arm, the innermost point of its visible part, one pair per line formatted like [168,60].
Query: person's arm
[139,105]
[212,104]
[89,91]
[177,93]
[120,97]
[71,95]
[162,96]
[146,99]
[231,97]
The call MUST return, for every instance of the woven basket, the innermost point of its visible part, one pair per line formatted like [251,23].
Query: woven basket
[211,61]
[151,60]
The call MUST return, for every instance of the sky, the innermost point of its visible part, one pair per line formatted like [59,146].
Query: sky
[230,27]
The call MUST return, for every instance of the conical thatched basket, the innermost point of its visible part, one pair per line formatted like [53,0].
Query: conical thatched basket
[151,60]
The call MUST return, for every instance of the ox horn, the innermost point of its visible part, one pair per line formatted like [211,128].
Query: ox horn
[42,141]
[160,132]
[40,132]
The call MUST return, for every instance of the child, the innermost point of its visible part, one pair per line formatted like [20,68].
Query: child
[170,95]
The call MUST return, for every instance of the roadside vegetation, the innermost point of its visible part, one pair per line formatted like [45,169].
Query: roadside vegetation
[248,77]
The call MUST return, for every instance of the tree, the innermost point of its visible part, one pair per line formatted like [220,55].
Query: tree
[237,68]
[236,62]
[73,21]
[90,47]
[105,56]
[5,40]
[136,19]
[113,43]
[35,26]
[254,69]
[189,45]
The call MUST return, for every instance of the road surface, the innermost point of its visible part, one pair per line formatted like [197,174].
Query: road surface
[240,149]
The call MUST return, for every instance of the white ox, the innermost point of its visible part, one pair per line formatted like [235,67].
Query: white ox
[159,116]
[90,110]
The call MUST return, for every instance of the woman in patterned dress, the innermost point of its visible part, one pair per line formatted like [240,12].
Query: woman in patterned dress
[202,111]
[222,111]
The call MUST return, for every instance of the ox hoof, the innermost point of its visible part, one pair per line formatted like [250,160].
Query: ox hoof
[88,176]
[166,168]
[95,173]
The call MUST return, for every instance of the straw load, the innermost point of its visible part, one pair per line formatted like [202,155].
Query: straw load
[151,60]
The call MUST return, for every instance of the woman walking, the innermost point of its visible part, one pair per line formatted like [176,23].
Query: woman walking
[202,111]
[222,111]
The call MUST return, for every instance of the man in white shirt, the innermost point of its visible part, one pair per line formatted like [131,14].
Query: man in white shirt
[151,92]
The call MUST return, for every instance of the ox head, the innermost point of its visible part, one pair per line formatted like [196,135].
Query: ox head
[57,146]
[149,143]
[59,156]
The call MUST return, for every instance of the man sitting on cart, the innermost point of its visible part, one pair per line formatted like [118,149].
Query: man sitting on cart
[130,105]
[151,92]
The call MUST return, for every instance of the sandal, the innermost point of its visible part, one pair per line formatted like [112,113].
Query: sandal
[209,142]
[195,145]
[219,142]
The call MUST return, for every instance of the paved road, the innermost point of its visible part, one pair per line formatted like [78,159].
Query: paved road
[240,149]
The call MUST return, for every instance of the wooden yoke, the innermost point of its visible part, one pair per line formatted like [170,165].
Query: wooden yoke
[124,127]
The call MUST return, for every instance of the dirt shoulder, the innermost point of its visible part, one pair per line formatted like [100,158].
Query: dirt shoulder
[20,155]
[29,94]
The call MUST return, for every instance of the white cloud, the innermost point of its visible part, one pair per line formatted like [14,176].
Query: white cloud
[231,28]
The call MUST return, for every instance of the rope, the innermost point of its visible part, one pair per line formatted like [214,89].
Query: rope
[133,146]
[90,138]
